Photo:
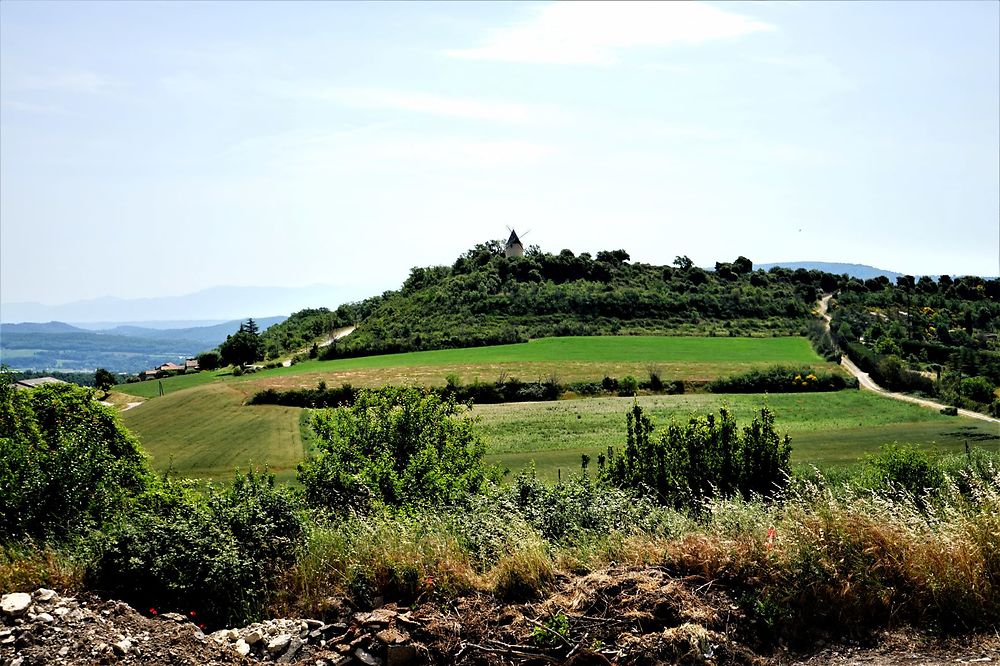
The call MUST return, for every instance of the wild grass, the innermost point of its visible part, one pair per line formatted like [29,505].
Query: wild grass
[25,567]
[827,561]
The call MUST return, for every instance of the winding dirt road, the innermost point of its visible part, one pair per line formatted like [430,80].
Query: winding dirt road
[869,384]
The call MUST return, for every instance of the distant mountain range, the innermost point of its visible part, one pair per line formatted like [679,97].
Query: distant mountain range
[212,306]
[860,271]
[59,346]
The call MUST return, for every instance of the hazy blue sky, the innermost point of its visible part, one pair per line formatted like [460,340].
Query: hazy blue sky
[157,149]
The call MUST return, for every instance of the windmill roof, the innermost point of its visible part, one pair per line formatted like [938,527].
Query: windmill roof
[513,240]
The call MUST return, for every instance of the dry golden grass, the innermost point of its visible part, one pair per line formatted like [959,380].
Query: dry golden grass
[25,568]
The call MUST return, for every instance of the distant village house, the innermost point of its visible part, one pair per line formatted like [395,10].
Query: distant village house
[168,369]
[38,381]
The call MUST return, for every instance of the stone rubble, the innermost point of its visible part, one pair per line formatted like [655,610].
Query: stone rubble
[45,628]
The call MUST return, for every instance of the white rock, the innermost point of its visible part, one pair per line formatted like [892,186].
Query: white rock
[15,604]
[44,594]
[220,636]
[254,636]
[233,634]
[242,648]
[45,617]
[366,657]
[278,643]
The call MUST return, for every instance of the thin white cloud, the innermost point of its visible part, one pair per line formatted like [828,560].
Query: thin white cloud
[417,102]
[439,105]
[376,147]
[596,32]
[27,107]
[85,82]
[460,153]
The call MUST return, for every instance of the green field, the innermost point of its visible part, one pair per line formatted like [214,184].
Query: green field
[151,388]
[568,359]
[207,433]
[827,429]
[200,428]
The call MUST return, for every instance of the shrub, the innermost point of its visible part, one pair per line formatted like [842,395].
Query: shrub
[217,557]
[700,459]
[66,462]
[904,468]
[397,446]
[209,360]
[977,389]
[321,396]
[628,386]
[565,513]
[782,379]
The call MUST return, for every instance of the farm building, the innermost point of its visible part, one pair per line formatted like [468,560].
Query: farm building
[38,381]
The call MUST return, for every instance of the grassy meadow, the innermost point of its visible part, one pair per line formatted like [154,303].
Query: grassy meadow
[827,429]
[200,428]
[206,432]
[691,359]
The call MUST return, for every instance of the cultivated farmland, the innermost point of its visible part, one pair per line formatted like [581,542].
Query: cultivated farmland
[201,428]
[570,359]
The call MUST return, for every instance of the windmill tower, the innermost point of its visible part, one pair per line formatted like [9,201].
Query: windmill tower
[513,247]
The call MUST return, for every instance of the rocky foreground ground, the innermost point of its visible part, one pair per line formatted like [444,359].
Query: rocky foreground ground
[614,617]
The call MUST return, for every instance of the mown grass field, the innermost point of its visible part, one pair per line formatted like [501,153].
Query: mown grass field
[206,432]
[568,359]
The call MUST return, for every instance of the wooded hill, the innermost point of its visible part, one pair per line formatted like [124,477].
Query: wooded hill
[486,298]
[896,331]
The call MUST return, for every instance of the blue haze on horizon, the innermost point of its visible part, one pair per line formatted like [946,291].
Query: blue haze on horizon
[157,149]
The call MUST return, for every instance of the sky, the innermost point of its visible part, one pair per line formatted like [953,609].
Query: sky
[152,149]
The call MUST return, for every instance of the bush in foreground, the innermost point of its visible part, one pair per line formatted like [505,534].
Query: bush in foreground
[397,446]
[67,465]
[705,457]
[218,557]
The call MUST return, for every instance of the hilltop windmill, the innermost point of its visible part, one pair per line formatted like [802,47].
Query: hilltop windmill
[514,248]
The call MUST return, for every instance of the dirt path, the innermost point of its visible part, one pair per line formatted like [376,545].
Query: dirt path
[869,384]
[338,334]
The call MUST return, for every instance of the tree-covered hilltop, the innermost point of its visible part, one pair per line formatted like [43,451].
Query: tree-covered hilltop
[487,298]
[896,331]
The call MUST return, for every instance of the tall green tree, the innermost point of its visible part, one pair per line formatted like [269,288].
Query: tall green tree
[104,380]
[243,347]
